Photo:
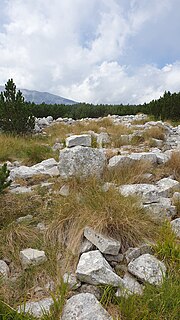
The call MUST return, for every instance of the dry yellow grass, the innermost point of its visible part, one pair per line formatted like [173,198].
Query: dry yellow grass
[13,206]
[172,167]
[131,173]
[29,150]
[60,131]
[119,217]
[155,132]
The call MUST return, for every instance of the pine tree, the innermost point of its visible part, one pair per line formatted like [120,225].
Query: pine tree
[4,174]
[15,113]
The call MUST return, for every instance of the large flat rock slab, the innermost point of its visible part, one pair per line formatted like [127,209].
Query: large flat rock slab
[78,140]
[84,306]
[94,269]
[148,268]
[104,244]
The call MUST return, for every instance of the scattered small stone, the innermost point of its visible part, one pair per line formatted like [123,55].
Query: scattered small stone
[36,308]
[132,253]
[167,186]
[104,244]
[4,269]
[89,288]
[131,286]
[94,269]
[86,246]
[25,219]
[32,257]
[64,191]
[72,281]
[175,224]
[84,306]
[148,268]
[78,140]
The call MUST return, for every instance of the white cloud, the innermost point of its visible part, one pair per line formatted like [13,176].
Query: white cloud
[94,51]
[111,82]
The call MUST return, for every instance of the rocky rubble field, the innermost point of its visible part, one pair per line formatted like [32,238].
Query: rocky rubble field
[83,228]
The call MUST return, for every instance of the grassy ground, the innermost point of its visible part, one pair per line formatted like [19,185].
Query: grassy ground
[65,218]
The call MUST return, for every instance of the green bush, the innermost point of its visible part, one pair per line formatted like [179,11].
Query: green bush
[4,174]
[15,113]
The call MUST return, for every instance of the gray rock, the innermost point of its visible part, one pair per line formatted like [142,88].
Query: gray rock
[131,286]
[107,186]
[175,224]
[148,268]
[78,140]
[71,280]
[20,190]
[112,258]
[4,269]
[167,187]
[64,191]
[41,227]
[81,161]
[32,257]
[94,269]
[161,210]
[148,192]
[25,219]
[176,197]
[84,306]
[47,167]
[119,161]
[89,288]
[36,308]
[146,156]
[104,244]
[132,253]
[86,246]
[103,139]
[157,143]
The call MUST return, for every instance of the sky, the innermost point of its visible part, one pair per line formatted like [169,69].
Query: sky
[96,51]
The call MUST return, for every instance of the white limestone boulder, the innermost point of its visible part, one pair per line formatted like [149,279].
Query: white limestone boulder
[4,269]
[119,161]
[94,269]
[104,244]
[81,161]
[148,192]
[31,256]
[176,197]
[47,167]
[175,224]
[131,286]
[148,268]
[167,187]
[146,156]
[102,139]
[78,140]
[36,308]
[84,306]
[71,280]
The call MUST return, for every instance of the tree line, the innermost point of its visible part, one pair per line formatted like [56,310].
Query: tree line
[166,107]
[18,116]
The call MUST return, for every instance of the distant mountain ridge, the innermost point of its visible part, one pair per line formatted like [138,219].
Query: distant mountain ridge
[40,97]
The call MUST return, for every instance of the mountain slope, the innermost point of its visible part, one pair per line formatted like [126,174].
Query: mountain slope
[39,97]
